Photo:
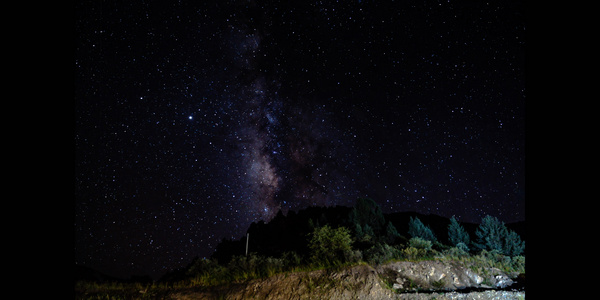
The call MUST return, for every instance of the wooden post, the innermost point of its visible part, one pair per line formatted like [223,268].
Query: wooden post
[247,238]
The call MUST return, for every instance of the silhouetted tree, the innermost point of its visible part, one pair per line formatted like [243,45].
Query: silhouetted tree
[457,233]
[416,228]
[513,245]
[391,234]
[367,212]
[492,234]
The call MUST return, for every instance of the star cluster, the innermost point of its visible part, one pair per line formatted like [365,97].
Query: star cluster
[195,119]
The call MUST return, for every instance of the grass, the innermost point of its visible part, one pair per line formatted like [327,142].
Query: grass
[206,273]
[485,260]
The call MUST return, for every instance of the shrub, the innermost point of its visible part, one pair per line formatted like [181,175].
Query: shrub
[456,252]
[463,247]
[495,259]
[420,243]
[329,246]
[353,256]
[202,267]
[242,268]
[381,253]
[207,272]
[518,264]
[412,253]
[291,259]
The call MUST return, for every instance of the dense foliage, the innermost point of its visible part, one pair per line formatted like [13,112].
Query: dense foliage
[330,246]
[457,234]
[367,214]
[416,228]
[331,237]
[493,235]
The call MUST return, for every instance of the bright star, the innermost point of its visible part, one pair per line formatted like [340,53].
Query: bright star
[190,117]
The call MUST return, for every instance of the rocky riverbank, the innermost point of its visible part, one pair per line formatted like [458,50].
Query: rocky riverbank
[398,280]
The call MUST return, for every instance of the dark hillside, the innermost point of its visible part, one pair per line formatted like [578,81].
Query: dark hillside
[286,239]
[283,233]
[290,233]
[83,273]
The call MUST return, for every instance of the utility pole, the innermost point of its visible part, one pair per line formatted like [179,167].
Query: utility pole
[247,238]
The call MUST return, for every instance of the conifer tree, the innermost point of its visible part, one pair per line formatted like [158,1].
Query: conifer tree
[367,212]
[492,234]
[391,233]
[416,228]
[457,233]
[513,245]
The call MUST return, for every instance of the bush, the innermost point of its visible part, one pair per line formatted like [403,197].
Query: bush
[518,264]
[495,259]
[353,256]
[381,253]
[242,268]
[330,246]
[412,253]
[291,259]
[463,247]
[202,267]
[456,252]
[207,272]
[420,244]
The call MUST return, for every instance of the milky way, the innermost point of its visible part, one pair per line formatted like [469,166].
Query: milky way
[287,143]
[287,151]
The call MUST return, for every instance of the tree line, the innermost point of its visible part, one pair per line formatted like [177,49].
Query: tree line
[320,237]
[378,240]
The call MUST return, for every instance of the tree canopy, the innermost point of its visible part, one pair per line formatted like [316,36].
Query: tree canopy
[457,233]
[416,228]
[492,235]
[330,246]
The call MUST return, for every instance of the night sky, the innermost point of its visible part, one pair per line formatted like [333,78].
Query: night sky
[193,120]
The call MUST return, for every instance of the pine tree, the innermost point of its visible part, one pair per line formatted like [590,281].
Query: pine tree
[457,233]
[492,234]
[416,228]
[367,212]
[513,245]
[368,232]
[391,234]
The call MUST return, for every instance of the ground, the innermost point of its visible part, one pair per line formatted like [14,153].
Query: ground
[397,280]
